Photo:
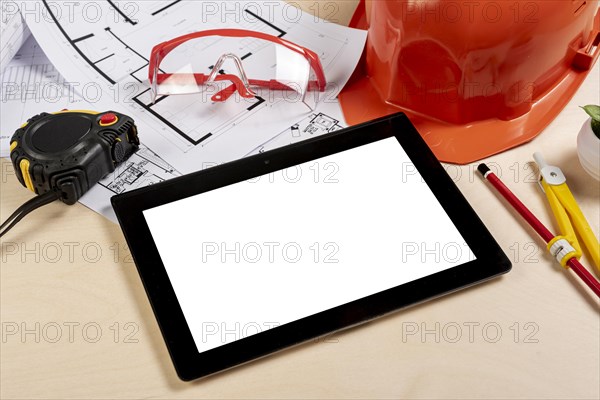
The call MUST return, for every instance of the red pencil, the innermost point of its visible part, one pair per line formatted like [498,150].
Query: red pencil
[535,223]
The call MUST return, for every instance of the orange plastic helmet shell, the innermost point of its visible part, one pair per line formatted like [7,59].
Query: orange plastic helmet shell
[475,77]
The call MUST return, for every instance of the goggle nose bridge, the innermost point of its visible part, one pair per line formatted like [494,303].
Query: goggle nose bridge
[240,67]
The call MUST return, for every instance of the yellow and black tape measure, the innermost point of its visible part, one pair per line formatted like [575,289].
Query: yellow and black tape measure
[70,151]
[62,155]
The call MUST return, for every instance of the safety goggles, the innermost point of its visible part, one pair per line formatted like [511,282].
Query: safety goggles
[222,62]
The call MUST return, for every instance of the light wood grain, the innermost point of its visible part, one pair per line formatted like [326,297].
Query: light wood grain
[559,359]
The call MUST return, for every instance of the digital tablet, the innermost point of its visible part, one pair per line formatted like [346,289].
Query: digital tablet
[250,257]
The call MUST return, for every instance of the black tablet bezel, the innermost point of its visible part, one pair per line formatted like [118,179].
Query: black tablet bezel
[189,364]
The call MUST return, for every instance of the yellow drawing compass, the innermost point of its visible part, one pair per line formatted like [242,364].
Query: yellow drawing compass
[567,213]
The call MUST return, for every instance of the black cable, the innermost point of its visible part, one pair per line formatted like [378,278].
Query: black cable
[26,208]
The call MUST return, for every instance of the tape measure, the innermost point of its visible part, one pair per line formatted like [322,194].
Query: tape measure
[62,155]
[70,151]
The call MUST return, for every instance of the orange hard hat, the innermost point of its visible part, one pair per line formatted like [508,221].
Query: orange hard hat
[475,77]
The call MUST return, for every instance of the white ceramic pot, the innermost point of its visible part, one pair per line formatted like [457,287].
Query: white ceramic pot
[588,148]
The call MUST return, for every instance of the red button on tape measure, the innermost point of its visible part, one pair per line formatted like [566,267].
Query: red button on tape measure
[108,119]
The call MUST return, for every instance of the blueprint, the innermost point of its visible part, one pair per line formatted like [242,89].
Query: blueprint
[144,168]
[101,54]
[13,32]
[41,88]
[326,120]
[112,55]
[31,85]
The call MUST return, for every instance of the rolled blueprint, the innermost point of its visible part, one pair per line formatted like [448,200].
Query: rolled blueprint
[13,32]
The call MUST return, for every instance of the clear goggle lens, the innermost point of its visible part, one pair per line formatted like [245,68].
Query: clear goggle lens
[220,68]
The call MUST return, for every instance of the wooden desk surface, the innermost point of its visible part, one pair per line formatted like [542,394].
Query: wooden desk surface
[76,322]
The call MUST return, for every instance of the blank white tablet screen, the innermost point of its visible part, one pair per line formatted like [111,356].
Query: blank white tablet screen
[262,253]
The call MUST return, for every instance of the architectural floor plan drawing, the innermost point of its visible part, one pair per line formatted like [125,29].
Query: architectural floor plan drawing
[114,56]
[99,51]
[13,32]
[144,168]
[112,50]
[315,124]
[31,85]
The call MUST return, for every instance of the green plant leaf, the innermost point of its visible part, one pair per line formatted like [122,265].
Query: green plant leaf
[593,111]
[596,128]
